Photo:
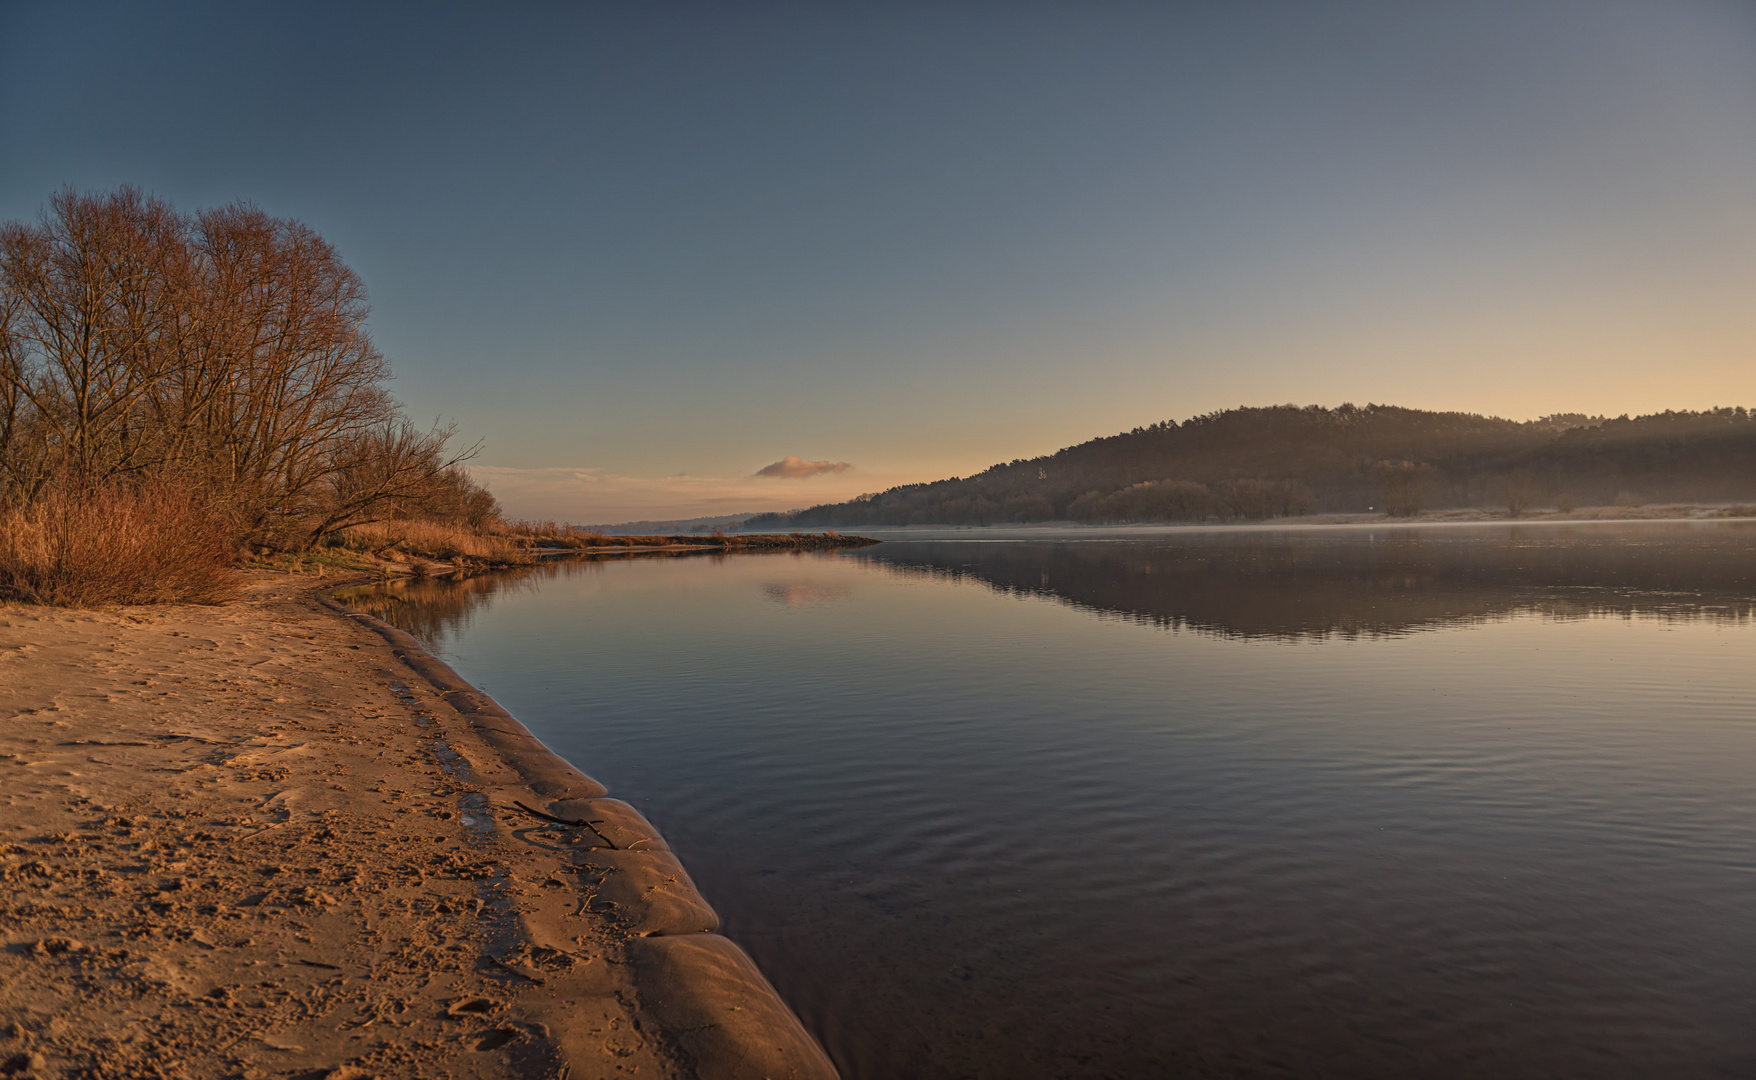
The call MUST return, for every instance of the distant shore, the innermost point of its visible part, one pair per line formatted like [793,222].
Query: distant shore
[1677,512]
[416,560]
[596,543]
[1657,512]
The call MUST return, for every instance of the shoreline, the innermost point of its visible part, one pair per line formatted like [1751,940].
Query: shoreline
[688,975]
[400,559]
[1682,514]
[241,841]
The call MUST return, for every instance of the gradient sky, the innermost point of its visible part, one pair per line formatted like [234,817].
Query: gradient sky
[644,250]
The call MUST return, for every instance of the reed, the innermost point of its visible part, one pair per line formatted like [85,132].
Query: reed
[114,545]
[435,540]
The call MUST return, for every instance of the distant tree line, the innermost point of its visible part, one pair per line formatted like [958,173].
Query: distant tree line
[218,358]
[1279,461]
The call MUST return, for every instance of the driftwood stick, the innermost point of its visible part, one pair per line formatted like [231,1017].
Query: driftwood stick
[567,822]
[548,817]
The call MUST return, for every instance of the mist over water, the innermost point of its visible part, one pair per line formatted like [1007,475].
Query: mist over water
[1370,802]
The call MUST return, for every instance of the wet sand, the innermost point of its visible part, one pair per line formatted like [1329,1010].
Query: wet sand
[273,839]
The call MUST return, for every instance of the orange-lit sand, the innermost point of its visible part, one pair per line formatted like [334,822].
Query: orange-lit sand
[250,840]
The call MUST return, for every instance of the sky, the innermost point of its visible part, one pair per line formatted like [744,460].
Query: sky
[664,259]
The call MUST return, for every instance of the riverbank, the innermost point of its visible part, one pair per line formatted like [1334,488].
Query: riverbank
[1655,512]
[407,559]
[264,838]
[823,541]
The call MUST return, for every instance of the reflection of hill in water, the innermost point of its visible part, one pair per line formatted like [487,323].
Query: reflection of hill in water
[1291,585]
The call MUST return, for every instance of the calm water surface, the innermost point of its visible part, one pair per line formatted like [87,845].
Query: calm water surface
[1351,803]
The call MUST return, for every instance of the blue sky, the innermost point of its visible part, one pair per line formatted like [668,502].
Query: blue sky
[645,250]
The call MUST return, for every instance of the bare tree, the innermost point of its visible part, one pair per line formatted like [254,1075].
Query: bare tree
[1518,488]
[377,473]
[19,469]
[91,288]
[226,350]
[1405,487]
[286,379]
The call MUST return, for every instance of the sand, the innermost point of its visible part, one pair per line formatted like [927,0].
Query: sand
[268,838]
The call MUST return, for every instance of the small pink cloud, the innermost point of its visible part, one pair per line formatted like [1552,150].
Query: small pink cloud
[794,467]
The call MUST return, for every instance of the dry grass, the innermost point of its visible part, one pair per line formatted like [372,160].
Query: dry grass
[546,534]
[435,540]
[115,546]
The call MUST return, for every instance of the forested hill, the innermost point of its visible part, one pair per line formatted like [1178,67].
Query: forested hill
[1285,459]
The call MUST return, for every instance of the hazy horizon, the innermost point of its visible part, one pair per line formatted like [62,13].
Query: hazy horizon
[645,254]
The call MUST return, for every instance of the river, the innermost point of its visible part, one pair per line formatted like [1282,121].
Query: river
[1351,802]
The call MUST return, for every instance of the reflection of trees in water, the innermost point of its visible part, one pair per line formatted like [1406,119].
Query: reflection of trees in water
[436,607]
[1302,586]
[804,593]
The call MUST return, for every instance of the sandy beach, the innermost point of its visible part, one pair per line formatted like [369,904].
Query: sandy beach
[270,838]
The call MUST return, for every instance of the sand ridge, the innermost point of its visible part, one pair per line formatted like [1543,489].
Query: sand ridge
[251,841]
